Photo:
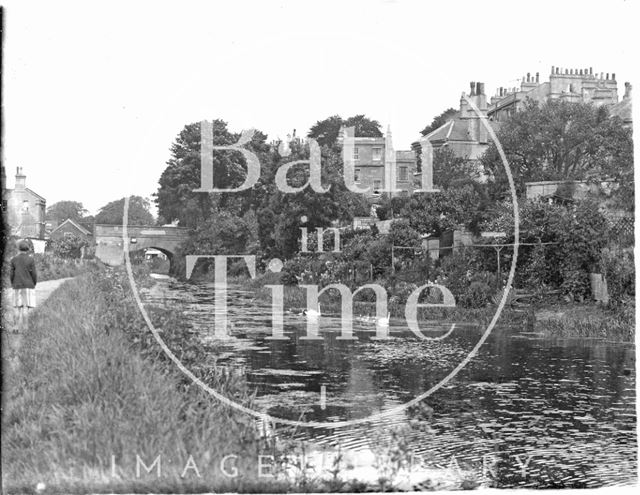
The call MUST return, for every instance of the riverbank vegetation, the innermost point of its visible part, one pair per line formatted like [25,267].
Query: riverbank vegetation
[50,267]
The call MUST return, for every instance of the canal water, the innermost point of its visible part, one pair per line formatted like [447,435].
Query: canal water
[530,411]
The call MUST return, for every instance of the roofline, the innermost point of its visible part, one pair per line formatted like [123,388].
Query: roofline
[35,193]
[78,226]
[448,122]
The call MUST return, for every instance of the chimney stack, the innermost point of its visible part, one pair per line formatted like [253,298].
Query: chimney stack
[479,88]
[21,179]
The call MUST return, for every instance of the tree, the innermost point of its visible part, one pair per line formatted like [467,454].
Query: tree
[176,199]
[559,140]
[279,216]
[113,212]
[63,210]
[439,121]
[463,206]
[326,131]
[452,170]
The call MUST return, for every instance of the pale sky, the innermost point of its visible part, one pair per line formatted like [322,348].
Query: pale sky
[96,92]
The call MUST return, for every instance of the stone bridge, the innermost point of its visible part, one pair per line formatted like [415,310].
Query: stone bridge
[109,240]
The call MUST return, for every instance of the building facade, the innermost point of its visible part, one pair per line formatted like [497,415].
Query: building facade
[24,209]
[573,85]
[465,134]
[379,167]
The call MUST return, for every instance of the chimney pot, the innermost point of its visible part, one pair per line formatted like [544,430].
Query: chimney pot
[590,71]
[528,76]
[607,76]
[21,179]
[473,88]
[613,76]
[479,88]
[537,77]
[553,69]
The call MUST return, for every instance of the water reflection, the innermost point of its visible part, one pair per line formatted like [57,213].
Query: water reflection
[568,406]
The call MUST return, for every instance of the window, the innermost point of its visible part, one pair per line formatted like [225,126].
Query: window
[403,174]
[377,184]
[377,154]
[68,235]
[356,152]
[357,175]
[25,205]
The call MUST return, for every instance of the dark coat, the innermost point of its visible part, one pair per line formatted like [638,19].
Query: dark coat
[23,272]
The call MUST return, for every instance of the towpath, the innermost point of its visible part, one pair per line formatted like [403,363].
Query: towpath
[12,340]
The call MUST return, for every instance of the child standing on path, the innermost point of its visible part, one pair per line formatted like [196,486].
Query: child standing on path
[23,281]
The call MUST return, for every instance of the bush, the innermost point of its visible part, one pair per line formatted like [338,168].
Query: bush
[620,273]
[463,274]
[67,247]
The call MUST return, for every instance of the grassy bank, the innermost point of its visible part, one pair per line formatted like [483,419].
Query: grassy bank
[589,321]
[81,394]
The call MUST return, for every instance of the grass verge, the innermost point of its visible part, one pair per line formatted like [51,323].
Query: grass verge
[83,409]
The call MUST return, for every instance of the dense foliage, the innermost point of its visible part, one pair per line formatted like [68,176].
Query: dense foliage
[559,140]
[71,247]
[112,213]
[62,210]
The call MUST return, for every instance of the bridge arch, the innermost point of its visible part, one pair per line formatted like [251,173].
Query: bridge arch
[109,241]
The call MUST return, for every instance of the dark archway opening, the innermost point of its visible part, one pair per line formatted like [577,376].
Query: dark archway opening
[159,260]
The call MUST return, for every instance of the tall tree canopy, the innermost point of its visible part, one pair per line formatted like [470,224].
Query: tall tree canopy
[112,213]
[62,210]
[176,199]
[326,131]
[279,213]
[559,140]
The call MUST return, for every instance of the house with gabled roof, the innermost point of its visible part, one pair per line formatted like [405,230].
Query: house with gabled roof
[465,133]
[71,228]
[24,210]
